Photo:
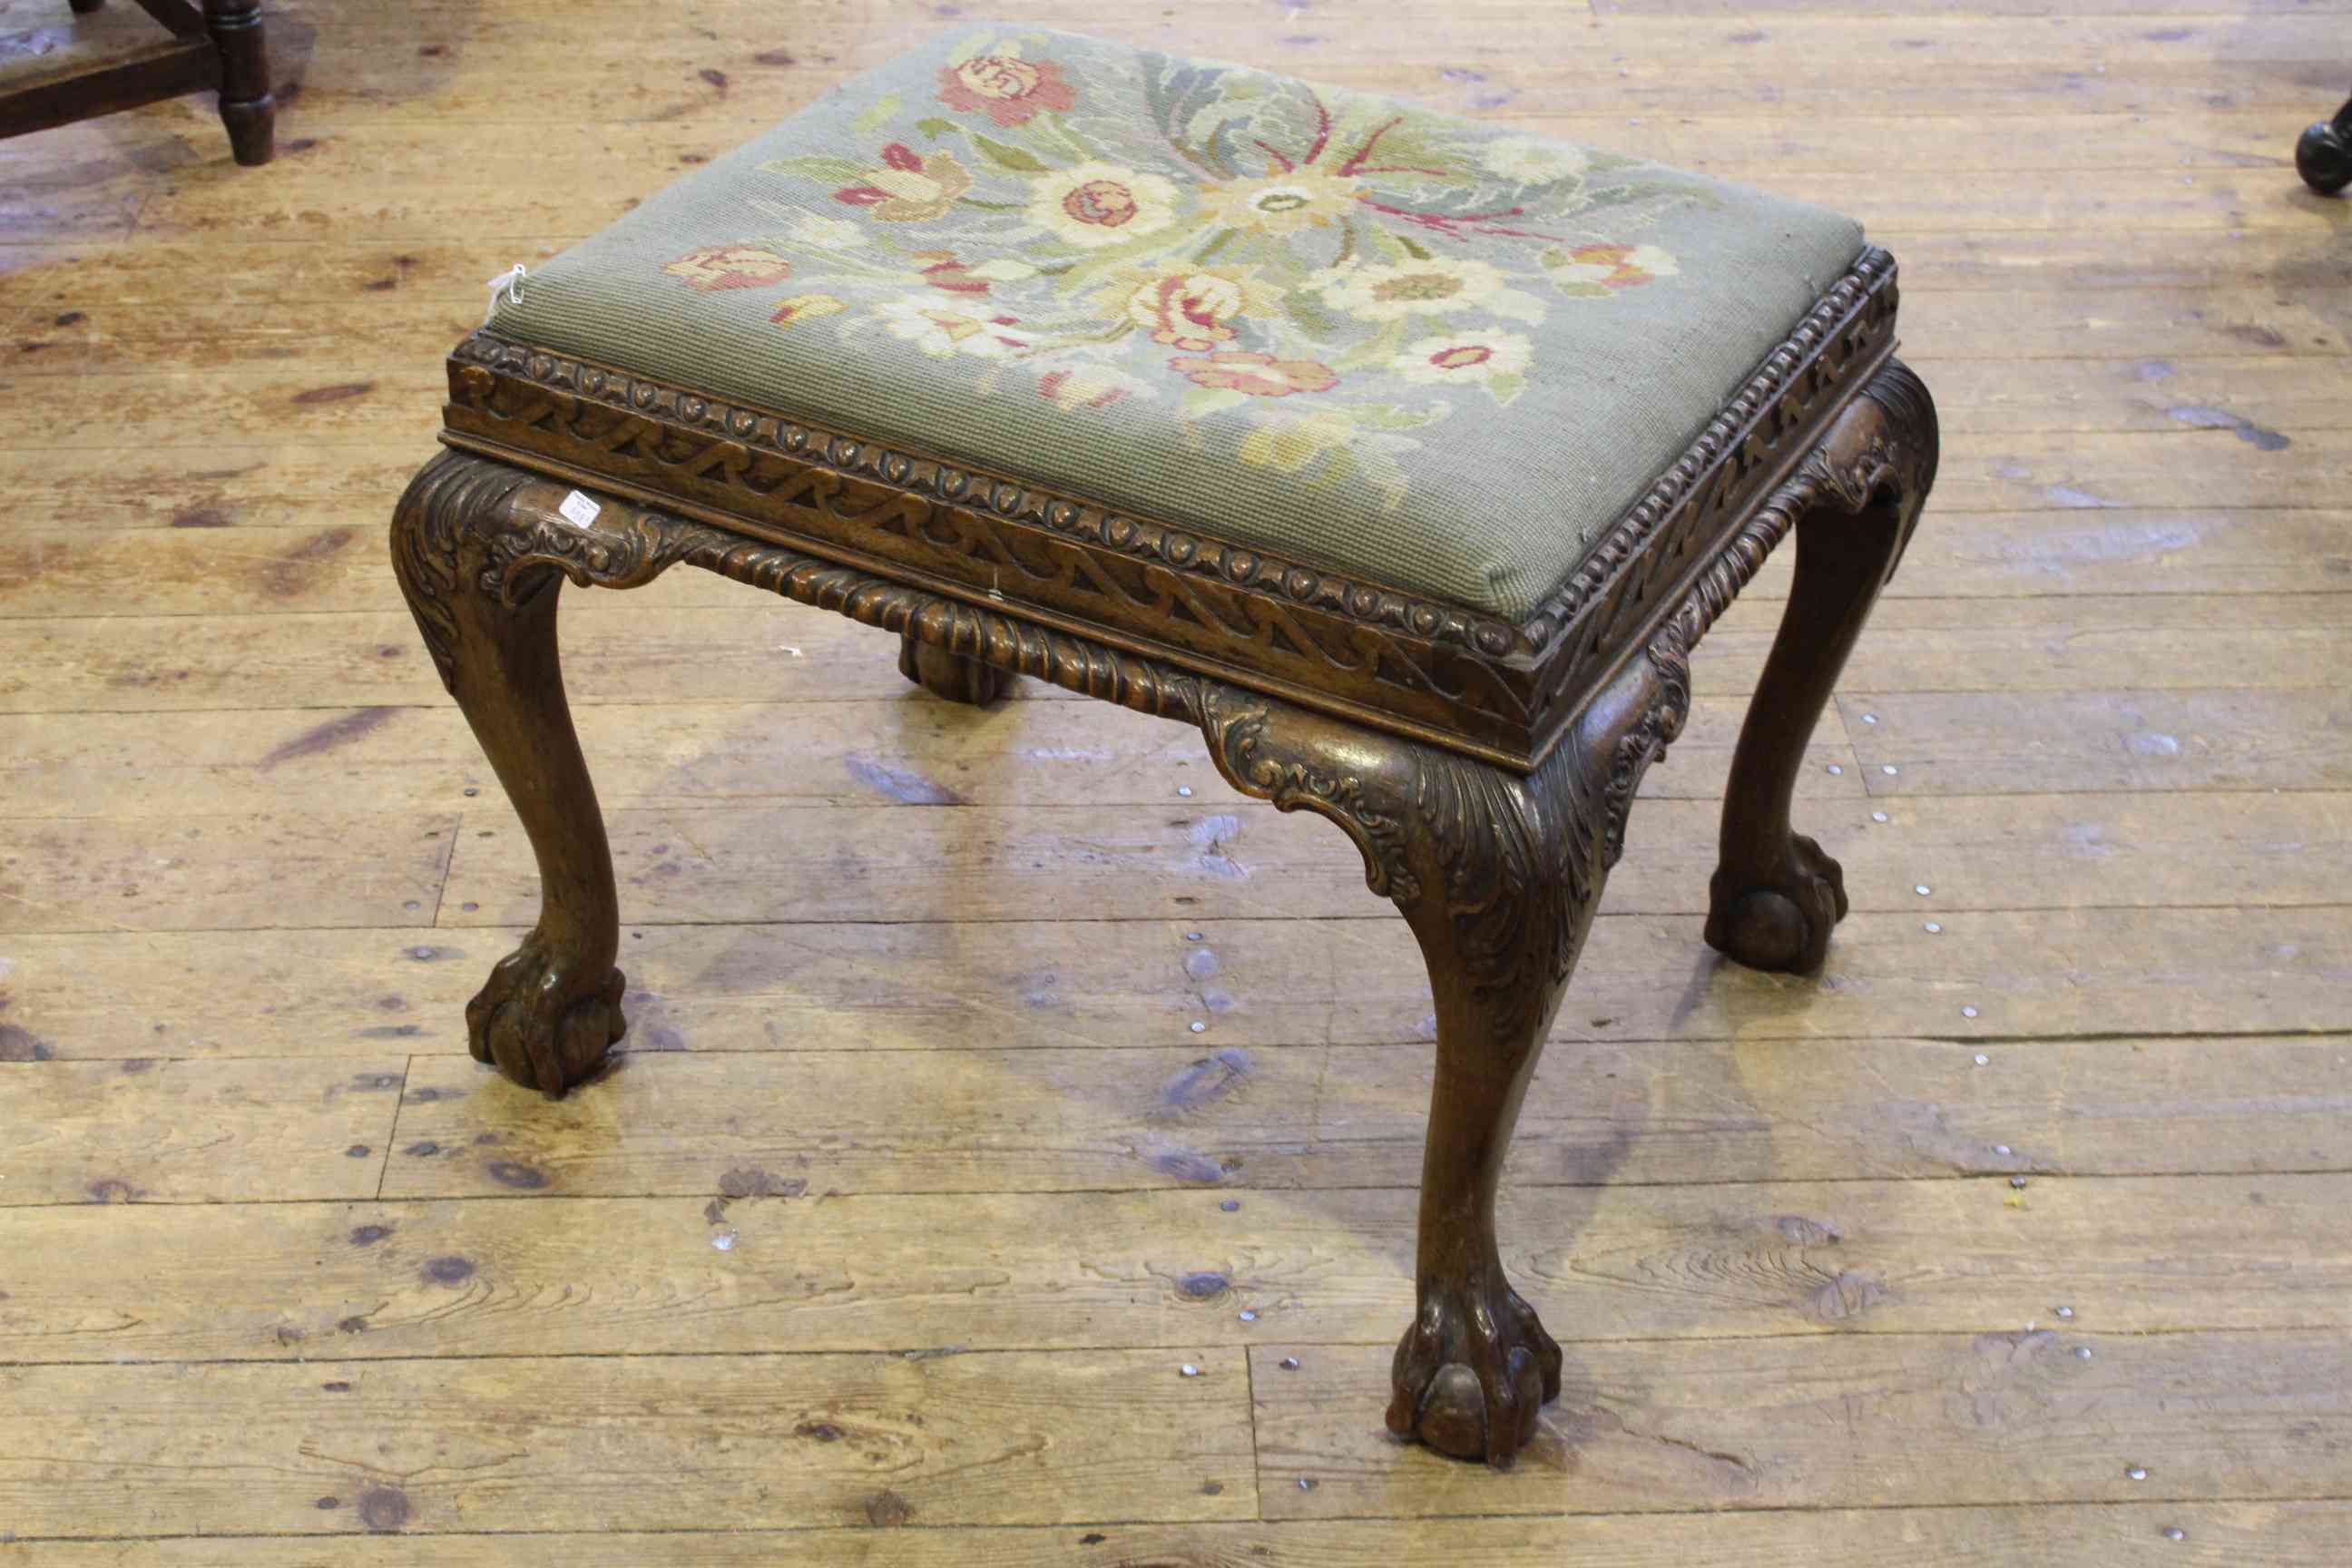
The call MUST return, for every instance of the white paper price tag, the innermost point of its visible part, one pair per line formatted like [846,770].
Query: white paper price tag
[579,509]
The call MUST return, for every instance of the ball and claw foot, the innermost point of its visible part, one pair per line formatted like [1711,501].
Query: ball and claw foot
[1473,1374]
[2323,154]
[538,1024]
[1784,924]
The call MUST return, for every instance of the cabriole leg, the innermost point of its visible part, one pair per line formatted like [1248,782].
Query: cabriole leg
[1497,875]
[481,560]
[1776,894]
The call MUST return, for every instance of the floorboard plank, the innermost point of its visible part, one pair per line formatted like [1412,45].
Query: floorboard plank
[332,1282]
[1807,1422]
[249,1131]
[1229,859]
[625,1443]
[2087,1535]
[1121,985]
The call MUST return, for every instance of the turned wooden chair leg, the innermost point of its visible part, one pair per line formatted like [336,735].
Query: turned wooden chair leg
[481,560]
[1776,895]
[1499,876]
[949,675]
[246,107]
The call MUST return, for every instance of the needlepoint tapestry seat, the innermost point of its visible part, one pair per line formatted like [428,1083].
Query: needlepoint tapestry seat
[1404,456]
[1329,325]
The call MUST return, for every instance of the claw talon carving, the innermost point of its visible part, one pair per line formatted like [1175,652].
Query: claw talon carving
[1784,924]
[538,1023]
[1473,1374]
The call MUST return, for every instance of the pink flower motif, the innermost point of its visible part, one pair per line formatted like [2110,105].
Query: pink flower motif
[946,272]
[716,267]
[1260,375]
[1007,88]
[1061,386]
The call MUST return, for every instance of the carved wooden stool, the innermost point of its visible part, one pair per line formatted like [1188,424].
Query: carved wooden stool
[1405,458]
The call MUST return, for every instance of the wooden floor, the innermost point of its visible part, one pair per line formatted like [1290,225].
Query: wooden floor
[916,1185]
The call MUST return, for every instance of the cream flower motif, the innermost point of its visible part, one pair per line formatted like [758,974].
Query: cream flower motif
[828,233]
[1284,203]
[1085,385]
[1190,309]
[1592,270]
[1532,160]
[1472,356]
[1435,286]
[941,333]
[1096,203]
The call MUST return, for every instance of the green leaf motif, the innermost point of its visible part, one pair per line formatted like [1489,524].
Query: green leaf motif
[1307,313]
[1006,157]
[1389,417]
[833,171]
[934,128]
[878,115]
[1203,401]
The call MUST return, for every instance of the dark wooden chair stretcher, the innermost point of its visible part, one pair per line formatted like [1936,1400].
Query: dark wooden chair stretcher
[1485,769]
[214,45]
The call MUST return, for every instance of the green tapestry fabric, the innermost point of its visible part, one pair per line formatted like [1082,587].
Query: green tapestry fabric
[1439,354]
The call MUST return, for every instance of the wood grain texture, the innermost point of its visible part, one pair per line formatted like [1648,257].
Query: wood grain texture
[1120,985]
[243,1130]
[902,750]
[531,1443]
[1232,860]
[2213,1536]
[1842,1421]
[809,1271]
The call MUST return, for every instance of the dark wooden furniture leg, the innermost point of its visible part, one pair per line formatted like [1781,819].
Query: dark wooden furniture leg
[482,573]
[943,673]
[1854,502]
[84,8]
[1497,874]
[2323,154]
[246,107]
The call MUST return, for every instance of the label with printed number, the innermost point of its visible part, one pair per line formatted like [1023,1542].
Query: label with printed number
[578,508]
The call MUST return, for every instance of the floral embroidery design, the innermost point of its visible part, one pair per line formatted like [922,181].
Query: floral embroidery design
[1260,375]
[1005,87]
[1595,271]
[1301,281]
[806,307]
[729,267]
[907,188]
